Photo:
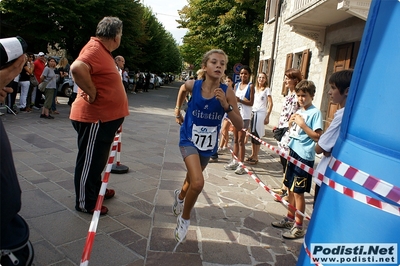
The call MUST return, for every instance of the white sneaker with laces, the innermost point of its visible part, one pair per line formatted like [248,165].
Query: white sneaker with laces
[284,223]
[240,170]
[294,233]
[178,204]
[181,229]
[231,166]
[221,151]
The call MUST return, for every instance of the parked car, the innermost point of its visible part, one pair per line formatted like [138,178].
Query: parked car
[160,81]
[66,88]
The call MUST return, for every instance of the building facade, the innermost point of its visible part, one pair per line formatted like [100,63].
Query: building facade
[318,37]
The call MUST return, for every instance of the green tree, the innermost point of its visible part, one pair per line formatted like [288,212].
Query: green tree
[162,53]
[69,24]
[232,25]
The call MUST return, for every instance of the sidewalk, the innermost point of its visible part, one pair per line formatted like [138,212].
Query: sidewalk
[230,224]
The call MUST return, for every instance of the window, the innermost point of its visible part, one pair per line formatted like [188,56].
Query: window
[270,11]
[266,67]
[297,60]
[300,61]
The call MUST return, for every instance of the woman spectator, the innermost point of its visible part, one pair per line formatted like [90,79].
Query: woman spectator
[245,98]
[24,82]
[290,106]
[261,111]
[49,76]
[30,100]
[62,70]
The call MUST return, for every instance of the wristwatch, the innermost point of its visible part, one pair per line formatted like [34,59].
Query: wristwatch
[230,108]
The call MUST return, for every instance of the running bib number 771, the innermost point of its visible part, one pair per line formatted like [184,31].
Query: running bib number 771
[204,138]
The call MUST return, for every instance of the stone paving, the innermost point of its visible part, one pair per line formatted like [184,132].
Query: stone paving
[230,224]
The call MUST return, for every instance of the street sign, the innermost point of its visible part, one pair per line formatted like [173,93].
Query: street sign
[237,67]
[235,78]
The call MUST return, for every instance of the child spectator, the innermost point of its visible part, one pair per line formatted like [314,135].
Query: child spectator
[340,83]
[244,92]
[262,108]
[305,128]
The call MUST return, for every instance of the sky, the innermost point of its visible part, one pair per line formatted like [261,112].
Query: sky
[166,13]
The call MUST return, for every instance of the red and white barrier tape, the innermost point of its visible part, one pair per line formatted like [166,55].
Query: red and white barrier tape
[387,207]
[287,204]
[310,255]
[119,132]
[96,214]
[369,182]
[372,183]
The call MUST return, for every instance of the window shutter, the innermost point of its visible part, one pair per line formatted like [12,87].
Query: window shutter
[268,71]
[260,66]
[267,6]
[305,61]
[289,62]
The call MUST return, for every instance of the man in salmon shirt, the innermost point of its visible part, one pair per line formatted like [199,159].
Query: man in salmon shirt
[98,111]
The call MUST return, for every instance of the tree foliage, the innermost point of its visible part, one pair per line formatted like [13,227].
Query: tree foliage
[232,25]
[69,24]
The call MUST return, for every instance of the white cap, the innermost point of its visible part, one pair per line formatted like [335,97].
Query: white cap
[41,54]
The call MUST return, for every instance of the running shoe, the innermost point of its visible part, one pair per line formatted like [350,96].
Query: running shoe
[178,204]
[181,229]
[231,166]
[284,223]
[294,233]
[240,170]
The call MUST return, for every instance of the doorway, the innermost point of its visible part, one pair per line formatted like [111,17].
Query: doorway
[346,55]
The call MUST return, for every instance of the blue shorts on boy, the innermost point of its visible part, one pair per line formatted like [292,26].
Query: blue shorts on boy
[302,148]
[296,179]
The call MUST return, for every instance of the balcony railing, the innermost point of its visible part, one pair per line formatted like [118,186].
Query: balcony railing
[300,5]
[325,10]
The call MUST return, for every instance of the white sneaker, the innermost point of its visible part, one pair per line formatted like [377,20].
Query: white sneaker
[181,229]
[222,150]
[178,204]
[284,223]
[231,166]
[294,233]
[240,170]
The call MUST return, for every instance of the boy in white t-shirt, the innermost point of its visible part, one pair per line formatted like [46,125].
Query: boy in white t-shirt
[340,83]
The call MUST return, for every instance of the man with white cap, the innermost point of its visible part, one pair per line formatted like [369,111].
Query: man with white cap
[39,63]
